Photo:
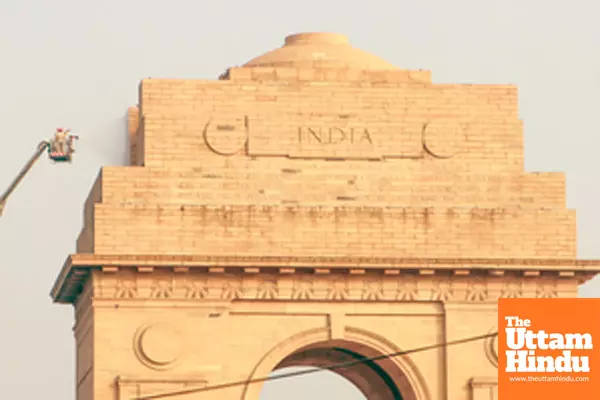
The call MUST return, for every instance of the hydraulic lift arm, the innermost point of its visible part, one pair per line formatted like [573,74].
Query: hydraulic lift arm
[60,150]
[41,148]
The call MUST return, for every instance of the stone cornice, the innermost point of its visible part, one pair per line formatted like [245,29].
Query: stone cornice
[78,266]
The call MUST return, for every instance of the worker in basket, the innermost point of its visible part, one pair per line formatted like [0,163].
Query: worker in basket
[61,145]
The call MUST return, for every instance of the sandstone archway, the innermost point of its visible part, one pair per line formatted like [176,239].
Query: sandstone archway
[393,378]
[316,203]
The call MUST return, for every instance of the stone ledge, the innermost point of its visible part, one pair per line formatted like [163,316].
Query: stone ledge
[145,386]
[334,73]
[78,266]
[483,382]
[321,262]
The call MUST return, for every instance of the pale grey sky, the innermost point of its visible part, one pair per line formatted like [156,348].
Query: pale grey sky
[77,64]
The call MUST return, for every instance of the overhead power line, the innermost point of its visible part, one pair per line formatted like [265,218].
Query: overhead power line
[332,367]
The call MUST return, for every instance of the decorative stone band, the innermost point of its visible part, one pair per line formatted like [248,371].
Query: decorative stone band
[320,278]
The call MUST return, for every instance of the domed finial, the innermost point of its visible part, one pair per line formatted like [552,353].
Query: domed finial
[320,50]
[316,38]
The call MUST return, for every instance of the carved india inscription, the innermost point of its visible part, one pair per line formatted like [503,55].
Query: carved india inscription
[332,138]
[334,135]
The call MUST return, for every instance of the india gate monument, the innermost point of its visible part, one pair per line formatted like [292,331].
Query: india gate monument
[314,206]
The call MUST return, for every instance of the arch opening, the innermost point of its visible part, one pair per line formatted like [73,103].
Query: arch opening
[375,380]
[320,385]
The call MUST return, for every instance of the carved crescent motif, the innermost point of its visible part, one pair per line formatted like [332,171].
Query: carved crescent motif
[158,346]
[491,347]
[443,139]
[226,138]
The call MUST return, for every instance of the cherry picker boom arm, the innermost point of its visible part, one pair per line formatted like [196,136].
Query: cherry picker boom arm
[41,148]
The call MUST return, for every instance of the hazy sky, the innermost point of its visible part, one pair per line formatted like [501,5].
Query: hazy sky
[77,64]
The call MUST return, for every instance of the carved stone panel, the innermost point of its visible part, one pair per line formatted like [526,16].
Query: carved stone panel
[133,387]
[484,388]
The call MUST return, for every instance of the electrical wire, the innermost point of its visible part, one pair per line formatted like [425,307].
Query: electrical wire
[332,367]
